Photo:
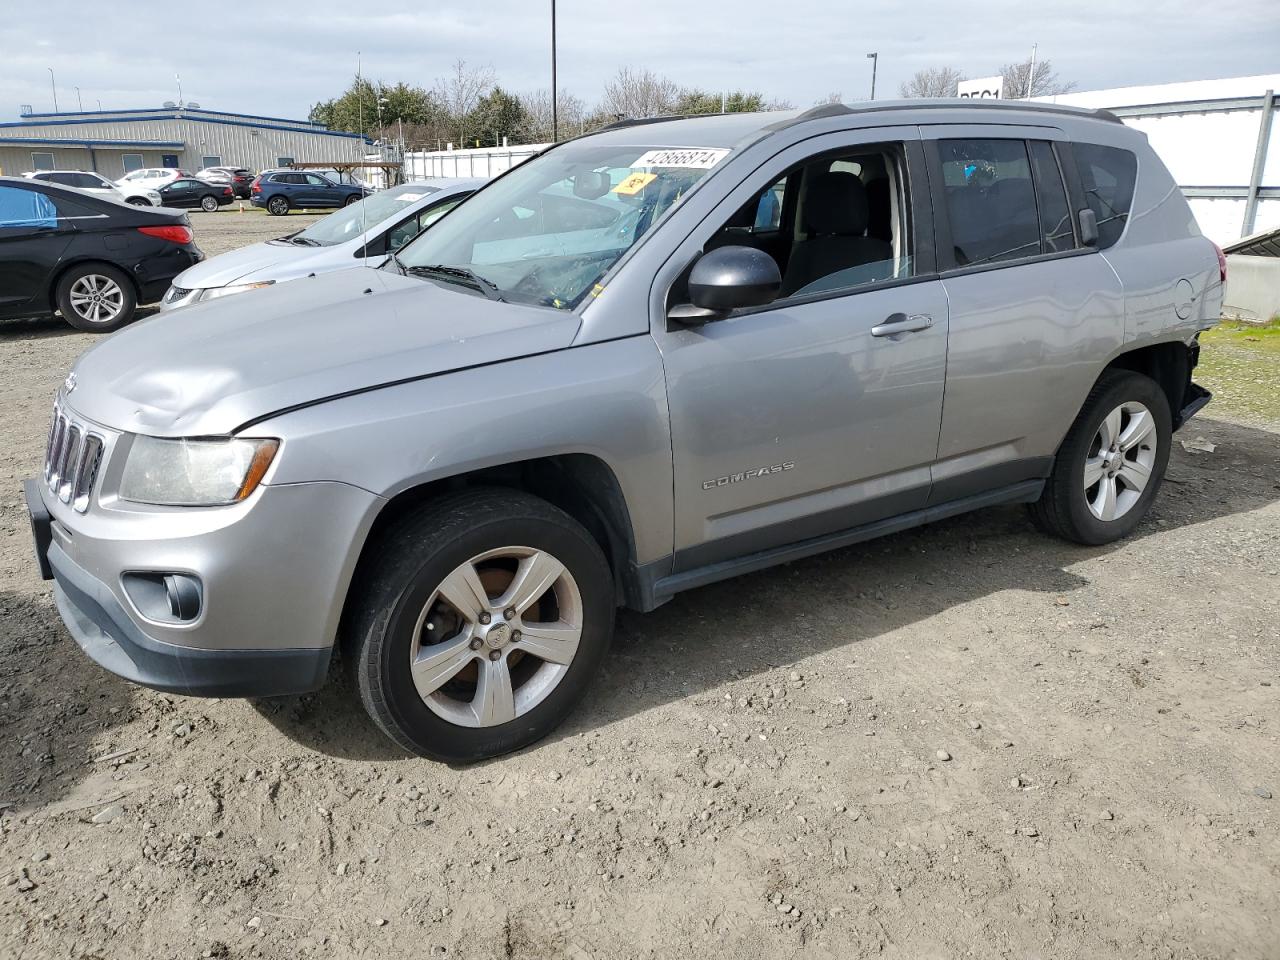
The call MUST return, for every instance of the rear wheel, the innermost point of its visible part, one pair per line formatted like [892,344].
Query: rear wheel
[350,200]
[479,623]
[208,204]
[96,297]
[278,206]
[1111,463]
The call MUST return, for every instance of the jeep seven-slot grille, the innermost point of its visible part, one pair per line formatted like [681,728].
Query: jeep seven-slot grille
[72,460]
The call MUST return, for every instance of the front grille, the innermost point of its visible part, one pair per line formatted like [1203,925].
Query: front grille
[72,460]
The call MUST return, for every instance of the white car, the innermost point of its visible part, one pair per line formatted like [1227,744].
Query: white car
[94,183]
[152,177]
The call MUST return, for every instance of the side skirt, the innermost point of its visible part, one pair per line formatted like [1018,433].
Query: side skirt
[657,590]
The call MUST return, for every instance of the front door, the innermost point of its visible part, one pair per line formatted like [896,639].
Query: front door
[819,412]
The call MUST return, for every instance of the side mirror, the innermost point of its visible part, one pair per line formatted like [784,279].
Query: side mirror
[1088,227]
[728,279]
[591,184]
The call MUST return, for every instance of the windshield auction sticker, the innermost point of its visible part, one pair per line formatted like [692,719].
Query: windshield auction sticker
[633,184]
[689,158]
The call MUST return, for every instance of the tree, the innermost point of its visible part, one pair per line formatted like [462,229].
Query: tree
[571,113]
[932,82]
[460,93]
[693,101]
[357,110]
[834,97]
[498,114]
[634,94]
[1046,82]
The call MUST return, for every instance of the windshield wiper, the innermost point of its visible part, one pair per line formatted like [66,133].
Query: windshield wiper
[470,277]
[305,242]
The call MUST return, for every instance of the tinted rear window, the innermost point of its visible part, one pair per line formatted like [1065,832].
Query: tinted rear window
[990,200]
[1107,175]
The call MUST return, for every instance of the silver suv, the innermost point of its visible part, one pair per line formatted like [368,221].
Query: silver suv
[646,360]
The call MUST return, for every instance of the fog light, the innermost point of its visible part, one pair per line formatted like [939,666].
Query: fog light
[165,597]
[184,596]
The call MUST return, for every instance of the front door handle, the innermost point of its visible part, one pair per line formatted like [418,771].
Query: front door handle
[897,323]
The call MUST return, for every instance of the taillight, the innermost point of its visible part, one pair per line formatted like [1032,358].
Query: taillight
[256,188]
[226,191]
[173,233]
[1222,263]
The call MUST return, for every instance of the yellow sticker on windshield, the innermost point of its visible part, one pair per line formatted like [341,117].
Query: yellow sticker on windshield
[633,184]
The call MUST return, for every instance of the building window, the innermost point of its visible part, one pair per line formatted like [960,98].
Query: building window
[214,161]
[42,161]
[284,161]
[132,162]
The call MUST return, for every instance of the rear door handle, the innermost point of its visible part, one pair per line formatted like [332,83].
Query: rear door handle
[897,323]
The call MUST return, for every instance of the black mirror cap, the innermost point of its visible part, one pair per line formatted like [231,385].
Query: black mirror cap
[591,184]
[732,277]
[1088,227]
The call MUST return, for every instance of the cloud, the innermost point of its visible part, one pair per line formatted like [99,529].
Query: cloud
[278,60]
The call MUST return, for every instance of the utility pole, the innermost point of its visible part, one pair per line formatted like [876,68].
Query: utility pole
[53,83]
[875,62]
[555,113]
[1031,76]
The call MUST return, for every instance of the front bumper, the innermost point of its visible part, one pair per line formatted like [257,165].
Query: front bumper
[273,573]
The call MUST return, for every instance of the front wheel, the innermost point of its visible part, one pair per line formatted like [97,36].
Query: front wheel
[138,202]
[1111,463]
[277,206]
[478,624]
[209,204]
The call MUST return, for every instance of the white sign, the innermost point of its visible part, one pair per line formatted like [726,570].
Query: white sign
[692,158]
[984,88]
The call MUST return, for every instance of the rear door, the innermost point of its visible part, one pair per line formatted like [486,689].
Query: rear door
[1032,310]
[33,238]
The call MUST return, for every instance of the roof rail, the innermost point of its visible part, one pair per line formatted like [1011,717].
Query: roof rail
[640,121]
[840,109]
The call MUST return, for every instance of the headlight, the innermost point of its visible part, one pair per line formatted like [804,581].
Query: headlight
[213,293]
[194,473]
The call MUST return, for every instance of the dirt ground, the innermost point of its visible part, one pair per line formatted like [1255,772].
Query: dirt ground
[964,741]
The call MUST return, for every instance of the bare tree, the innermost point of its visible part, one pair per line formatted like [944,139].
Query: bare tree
[834,97]
[932,82]
[460,92]
[1046,81]
[571,113]
[638,93]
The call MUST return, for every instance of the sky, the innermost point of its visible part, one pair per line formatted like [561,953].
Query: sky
[279,59]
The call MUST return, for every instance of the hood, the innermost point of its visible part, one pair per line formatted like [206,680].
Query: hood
[227,268]
[212,367]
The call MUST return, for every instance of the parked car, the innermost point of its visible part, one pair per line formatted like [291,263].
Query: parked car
[284,190]
[362,233]
[93,183]
[189,192]
[237,178]
[643,361]
[91,259]
[153,177]
[140,196]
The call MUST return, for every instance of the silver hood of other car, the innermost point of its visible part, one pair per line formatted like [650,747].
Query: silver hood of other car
[210,368]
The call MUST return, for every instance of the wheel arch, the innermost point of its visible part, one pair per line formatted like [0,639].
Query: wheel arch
[582,485]
[1168,363]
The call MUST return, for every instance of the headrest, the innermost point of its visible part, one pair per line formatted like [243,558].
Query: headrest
[836,204]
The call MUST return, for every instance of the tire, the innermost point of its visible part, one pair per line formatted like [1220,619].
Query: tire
[138,202]
[209,204]
[96,288]
[1133,411]
[354,198]
[278,206]
[399,601]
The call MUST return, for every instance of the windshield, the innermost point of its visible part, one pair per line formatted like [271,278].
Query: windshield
[549,229]
[349,222]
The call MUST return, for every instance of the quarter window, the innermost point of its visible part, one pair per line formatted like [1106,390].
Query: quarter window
[991,203]
[1107,175]
[1056,233]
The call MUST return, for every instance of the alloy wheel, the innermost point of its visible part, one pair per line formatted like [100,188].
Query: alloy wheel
[96,298]
[496,637]
[1120,460]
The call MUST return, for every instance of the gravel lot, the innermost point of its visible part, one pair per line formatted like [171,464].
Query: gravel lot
[968,740]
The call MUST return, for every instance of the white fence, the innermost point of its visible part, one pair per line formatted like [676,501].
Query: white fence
[486,162]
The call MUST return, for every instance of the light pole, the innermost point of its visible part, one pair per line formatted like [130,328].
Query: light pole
[875,62]
[54,85]
[1031,75]
[79,102]
[555,113]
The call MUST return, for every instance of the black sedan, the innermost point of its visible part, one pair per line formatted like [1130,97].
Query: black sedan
[92,259]
[190,192]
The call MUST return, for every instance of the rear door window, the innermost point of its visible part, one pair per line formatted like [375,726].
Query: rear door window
[1056,233]
[990,199]
[1107,175]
